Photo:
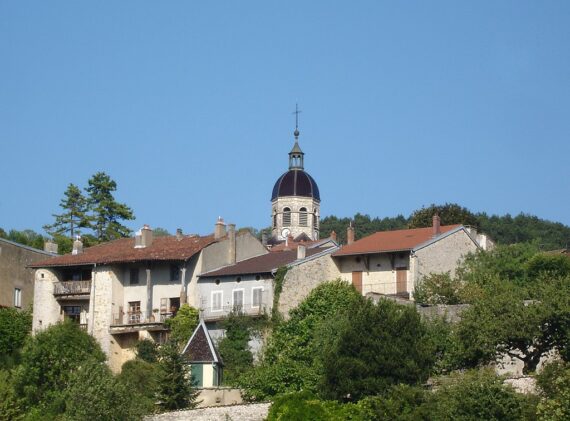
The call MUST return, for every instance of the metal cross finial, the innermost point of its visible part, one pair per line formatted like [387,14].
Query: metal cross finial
[297,112]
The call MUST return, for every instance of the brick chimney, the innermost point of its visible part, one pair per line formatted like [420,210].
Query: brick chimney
[350,234]
[436,224]
[146,236]
[232,245]
[219,229]
[333,235]
[179,234]
[77,246]
[301,252]
[50,247]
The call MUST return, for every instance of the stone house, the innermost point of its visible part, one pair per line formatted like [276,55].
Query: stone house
[394,262]
[124,290]
[16,278]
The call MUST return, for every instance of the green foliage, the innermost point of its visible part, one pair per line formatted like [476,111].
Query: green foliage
[147,350]
[438,288]
[26,237]
[501,321]
[174,389]
[301,406]
[554,383]
[160,232]
[10,404]
[289,362]
[15,326]
[49,359]
[371,347]
[476,395]
[400,402]
[74,215]
[183,324]
[141,377]
[546,264]
[364,225]
[277,288]
[95,395]
[106,211]
[450,214]
[234,347]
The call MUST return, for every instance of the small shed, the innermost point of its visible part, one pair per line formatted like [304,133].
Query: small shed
[205,363]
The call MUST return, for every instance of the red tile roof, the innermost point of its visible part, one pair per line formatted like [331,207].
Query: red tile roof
[261,264]
[124,251]
[385,241]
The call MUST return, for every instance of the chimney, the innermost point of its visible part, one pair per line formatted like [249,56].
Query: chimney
[179,234]
[77,246]
[50,247]
[232,246]
[219,229]
[264,239]
[333,235]
[350,234]
[436,225]
[301,252]
[146,236]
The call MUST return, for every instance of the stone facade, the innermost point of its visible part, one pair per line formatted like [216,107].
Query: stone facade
[302,278]
[14,274]
[296,227]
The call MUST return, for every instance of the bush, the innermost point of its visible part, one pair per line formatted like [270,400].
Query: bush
[147,350]
[301,406]
[438,288]
[183,324]
[15,326]
[554,384]
[10,404]
[141,377]
[234,347]
[372,347]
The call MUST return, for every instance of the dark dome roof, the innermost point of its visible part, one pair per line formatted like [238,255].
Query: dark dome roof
[296,182]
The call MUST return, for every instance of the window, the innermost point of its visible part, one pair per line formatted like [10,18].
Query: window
[257,277]
[316,220]
[256,297]
[174,273]
[134,276]
[274,219]
[134,311]
[17,297]
[237,300]
[286,217]
[303,217]
[238,279]
[217,297]
[72,313]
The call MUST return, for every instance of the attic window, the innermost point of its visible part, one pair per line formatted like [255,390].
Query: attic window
[134,276]
[217,282]
[174,272]
[257,277]
[238,279]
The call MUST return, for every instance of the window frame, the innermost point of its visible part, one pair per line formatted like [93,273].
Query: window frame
[260,289]
[221,294]
[242,290]
[18,297]
[286,216]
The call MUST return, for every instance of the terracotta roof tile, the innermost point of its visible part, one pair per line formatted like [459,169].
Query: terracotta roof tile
[261,264]
[124,251]
[385,241]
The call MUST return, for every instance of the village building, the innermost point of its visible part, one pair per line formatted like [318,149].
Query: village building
[16,278]
[206,365]
[124,290]
[394,262]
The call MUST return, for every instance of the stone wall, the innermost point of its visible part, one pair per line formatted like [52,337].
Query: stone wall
[250,412]
[46,307]
[303,278]
[14,274]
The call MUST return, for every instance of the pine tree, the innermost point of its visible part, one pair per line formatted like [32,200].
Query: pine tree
[175,389]
[106,211]
[74,216]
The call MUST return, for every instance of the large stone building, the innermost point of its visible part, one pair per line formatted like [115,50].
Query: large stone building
[124,290]
[16,279]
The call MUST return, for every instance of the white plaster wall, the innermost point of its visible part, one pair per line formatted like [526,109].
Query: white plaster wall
[46,308]
[101,306]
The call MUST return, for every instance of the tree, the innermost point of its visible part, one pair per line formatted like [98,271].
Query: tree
[450,213]
[26,237]
[503,321]
[160,232]
[49,359]
[371,347]
[15,326]
[10,403]
[94,394]
[174,380]
[182,325]
[234,346]
[106,211]
[554,385]
[74,216]
[147,350]
[438,288]
[140,377]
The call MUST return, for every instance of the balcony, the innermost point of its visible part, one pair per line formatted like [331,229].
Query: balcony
[134,321]
[72,290]
[210,315]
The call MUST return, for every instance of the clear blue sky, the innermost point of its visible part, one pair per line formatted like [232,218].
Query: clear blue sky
[187,106]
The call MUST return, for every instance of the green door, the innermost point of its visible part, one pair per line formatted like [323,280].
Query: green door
[197,371]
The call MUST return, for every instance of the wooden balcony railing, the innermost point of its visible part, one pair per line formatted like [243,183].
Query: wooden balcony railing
[138,317]
[72,288]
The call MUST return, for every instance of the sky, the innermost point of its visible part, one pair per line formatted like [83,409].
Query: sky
[188,106]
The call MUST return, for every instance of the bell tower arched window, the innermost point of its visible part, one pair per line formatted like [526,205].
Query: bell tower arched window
[303,217]
[286,217]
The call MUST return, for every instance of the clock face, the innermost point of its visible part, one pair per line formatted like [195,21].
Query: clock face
[285,232]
